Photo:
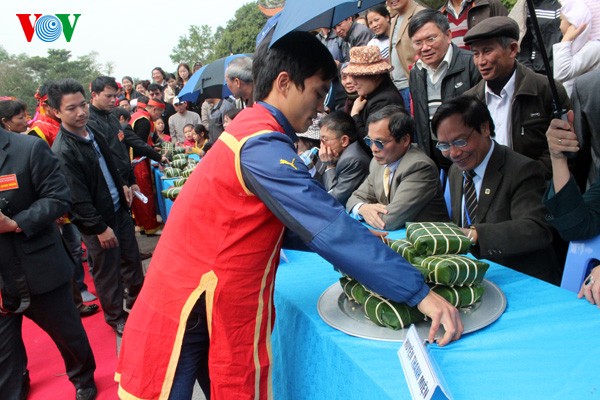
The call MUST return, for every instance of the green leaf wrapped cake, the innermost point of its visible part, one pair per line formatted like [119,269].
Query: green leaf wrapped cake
[187,172]
[180,181]
[460,296]
[406,250]
[180,156]
[171,172]
[171,193]
[431,238]
[454,270]
[179,163]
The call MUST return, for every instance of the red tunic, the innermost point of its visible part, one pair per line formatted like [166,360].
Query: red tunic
[205,248]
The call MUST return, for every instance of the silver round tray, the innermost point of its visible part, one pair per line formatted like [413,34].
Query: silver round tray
[348,316]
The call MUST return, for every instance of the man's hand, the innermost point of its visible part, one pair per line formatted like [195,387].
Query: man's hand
[107,239]
[164,160]
[327,155]
[128,194]
[372,214]
[561,137]
[8,225]
[441,313]
[470,233]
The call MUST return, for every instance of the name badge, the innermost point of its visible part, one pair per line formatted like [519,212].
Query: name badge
[8,182]
[418,368]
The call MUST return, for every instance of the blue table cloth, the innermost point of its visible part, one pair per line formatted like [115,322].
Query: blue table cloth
[544,346]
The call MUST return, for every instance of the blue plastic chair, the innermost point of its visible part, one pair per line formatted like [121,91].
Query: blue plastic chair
[582,256]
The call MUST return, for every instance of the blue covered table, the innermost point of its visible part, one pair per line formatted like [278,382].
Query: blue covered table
[544,346]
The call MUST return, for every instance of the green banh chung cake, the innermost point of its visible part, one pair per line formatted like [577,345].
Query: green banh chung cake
[181,168]
[436,249]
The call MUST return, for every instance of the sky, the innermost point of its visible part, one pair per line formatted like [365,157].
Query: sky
[134,36]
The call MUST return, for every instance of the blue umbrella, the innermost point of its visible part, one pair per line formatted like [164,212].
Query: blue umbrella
[208,82]
[269,25]
[306,15]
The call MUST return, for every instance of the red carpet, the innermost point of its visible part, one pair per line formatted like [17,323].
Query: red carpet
[46,367]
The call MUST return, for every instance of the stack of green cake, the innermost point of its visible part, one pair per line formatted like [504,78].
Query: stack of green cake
[181,168]
[436,250]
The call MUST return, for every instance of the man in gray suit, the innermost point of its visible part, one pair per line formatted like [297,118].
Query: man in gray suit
[344,165]
[403,183]
[496,193]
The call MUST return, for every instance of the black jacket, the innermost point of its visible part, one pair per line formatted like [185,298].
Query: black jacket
[41,197]
[120,140]
[93,209]
[462,75]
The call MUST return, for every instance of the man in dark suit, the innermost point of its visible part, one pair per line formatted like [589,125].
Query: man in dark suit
[35,268]
[496,193]
[344,165]
[403,183]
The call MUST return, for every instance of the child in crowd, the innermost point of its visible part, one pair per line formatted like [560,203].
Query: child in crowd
[188,134]
[159,129]
[200,136]
[170,88]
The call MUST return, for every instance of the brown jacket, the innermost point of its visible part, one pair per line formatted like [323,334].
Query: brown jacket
[406,52]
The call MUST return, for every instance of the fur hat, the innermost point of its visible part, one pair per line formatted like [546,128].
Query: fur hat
[366,60]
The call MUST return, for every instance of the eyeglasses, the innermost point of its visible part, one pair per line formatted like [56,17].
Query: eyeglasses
[380,144]
[417,44]
[458,143]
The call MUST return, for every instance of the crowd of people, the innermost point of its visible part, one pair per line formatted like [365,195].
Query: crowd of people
[403,114]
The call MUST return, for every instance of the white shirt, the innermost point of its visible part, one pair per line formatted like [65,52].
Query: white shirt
[500,109]
[434,75]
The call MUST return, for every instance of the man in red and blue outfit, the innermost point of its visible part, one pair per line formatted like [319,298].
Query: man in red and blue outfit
[238,203]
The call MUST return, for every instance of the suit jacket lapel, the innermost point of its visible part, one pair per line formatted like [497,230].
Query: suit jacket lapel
[491,181]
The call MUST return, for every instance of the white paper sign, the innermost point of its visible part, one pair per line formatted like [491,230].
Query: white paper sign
[420,375]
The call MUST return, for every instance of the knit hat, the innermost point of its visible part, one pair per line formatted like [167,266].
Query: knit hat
[366,60]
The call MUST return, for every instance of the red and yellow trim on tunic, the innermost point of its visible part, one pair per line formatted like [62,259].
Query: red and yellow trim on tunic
[235,146]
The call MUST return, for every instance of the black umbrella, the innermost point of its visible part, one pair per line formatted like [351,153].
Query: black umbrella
[558,111]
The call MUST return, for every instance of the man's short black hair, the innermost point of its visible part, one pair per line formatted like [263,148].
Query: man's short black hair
[399,124]
[57,90]
[473,111]
[100,83]
[425,16]
[340,123]
[121,112]
[299,54]
[155,86]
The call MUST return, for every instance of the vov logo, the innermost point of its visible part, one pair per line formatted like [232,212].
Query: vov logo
[48,27]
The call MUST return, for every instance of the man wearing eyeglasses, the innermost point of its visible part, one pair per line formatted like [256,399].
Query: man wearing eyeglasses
[403,183]
[495,192]
[442,72]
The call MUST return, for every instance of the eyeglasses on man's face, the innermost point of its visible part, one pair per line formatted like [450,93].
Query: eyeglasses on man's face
[417,44]
[380,144]
[458,143]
